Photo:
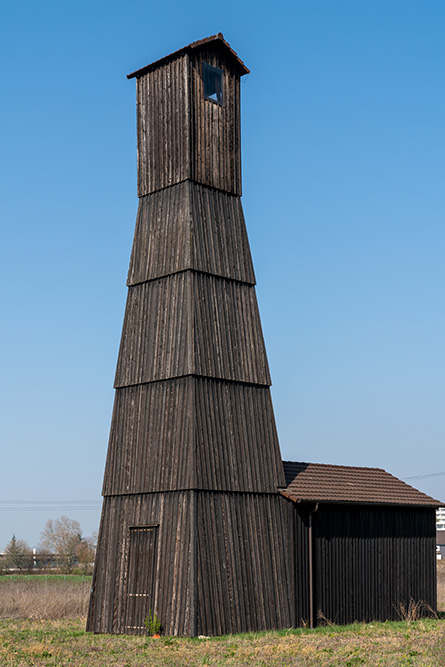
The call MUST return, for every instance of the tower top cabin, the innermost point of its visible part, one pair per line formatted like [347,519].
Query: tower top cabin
[188,118]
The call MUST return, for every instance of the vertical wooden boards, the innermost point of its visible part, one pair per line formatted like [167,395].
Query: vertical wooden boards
[220,436]
[162,238]
[216,127]
[369,561]
[163,126]
[237,445]
[157,331]
[188,226]
[192,323]
[152,427]
[246,564]
[192,526]
[142,553]
[181,134]
[171,578]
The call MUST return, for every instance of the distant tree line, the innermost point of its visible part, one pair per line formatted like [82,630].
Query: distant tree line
[62,546]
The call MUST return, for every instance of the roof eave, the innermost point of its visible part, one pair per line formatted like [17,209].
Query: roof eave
[219,38]
[324,501]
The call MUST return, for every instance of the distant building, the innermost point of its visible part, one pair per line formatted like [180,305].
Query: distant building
[440,533]
[440,518]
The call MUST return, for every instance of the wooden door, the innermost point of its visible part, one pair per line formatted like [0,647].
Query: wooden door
[140,582]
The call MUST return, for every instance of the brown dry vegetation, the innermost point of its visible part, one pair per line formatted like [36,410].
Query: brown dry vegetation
[42,599]
[441,585]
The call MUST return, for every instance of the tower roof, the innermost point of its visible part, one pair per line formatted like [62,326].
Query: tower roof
[218,41]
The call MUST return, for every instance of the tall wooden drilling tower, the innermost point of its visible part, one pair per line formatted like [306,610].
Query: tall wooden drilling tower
[192,526]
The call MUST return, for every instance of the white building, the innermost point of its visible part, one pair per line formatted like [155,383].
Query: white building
[440,518]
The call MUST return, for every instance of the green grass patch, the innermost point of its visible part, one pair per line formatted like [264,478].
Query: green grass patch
[65,643]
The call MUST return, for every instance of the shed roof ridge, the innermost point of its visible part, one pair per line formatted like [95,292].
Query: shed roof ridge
[336,465]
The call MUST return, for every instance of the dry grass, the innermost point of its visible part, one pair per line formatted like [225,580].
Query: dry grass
[441,585]
[41,599]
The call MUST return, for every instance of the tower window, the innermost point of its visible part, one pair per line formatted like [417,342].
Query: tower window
[212,81]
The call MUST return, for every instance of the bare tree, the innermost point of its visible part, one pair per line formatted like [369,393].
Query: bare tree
[18,555]
[86,550]
[63,537]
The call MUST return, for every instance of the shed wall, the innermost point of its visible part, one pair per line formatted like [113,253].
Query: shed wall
[370,561]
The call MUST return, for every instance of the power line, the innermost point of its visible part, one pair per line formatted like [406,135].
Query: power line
[47,505]
[431,474]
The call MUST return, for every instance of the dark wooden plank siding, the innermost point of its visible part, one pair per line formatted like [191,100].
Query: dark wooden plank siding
[152,426]
[301,560]
[164,127]
[192,323]
[171,585]
[141,577]
[162,238]
[237,446]
[182,135]
[189,226]
[157,423]
[216,127]
[228,336]
[220,242]
[371,561]
[246,567]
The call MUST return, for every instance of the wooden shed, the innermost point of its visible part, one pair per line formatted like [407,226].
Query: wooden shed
[366,543]
[199,525]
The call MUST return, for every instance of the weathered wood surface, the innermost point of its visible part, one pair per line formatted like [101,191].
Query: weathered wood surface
[245,562]
[182,135]
[164,126]
[193,445]
[192,323]
[188,226]
[108,603]
[193,433]
[369,561]
[216,128]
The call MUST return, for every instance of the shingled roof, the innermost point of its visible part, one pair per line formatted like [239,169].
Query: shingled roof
[318,482]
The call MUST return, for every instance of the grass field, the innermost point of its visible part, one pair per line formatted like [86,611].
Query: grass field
[42,625]
[64,643]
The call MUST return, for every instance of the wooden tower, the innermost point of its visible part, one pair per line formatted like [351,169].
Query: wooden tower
[192,525]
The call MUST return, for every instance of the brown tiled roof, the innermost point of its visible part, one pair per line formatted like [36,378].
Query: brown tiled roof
[318,482]
[220,41]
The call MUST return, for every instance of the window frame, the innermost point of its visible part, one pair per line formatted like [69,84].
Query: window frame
[215,71]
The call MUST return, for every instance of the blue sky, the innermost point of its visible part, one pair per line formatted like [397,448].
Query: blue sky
[343,145]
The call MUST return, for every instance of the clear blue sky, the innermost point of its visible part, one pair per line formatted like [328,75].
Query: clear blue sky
[343,140]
